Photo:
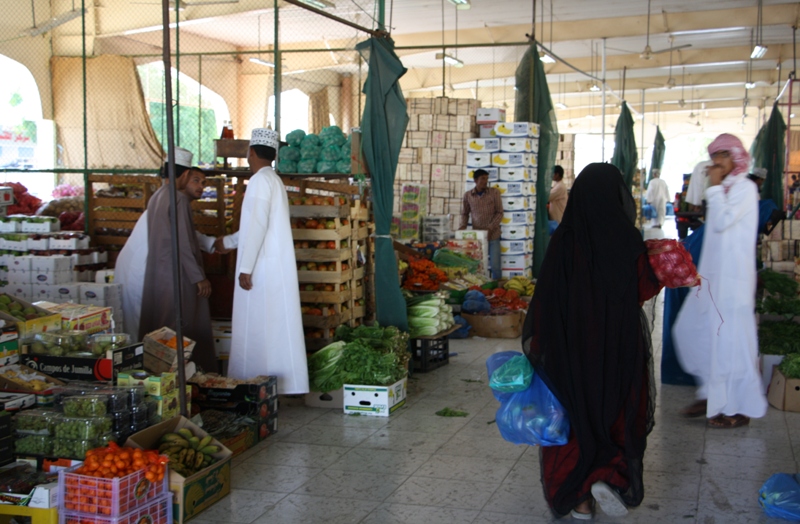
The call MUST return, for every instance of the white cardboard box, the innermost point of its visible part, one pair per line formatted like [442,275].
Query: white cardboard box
[471,234]
[490,115]
[515,262]
[38,244]
[508,159]
[483,145]
[486,131]
[479,159]
[512,129]
[50,264]
[19,263]
[514,232]
[61,293]
[47,278]
[17,277]
[100,294]
[516,203]
[508,189]
[514,174]
[514,247]
[531,160]
[533,130]
[516,218]
[506,273]
[46,226]
[79,241]
[515,145]
[374,401]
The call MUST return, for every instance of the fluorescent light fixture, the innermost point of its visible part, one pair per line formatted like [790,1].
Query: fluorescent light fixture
[449,59]
[547,59]
[53,23]
[262,62]
[319,4]
[749,85]
[791,115]
[561,105]
[758,51]
[461,4]
[594,87]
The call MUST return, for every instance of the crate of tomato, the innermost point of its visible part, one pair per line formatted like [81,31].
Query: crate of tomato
[423,275]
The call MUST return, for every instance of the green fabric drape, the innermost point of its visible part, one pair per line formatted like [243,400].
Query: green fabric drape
[625,154]
[659,148]
[383,126]
[769,152]
[533,104]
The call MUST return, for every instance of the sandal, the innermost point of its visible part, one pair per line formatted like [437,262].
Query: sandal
[577,515]
[698,409]
[609,500]
[726,422]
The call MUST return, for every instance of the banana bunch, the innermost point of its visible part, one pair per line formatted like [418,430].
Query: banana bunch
[187,453]
[521,285]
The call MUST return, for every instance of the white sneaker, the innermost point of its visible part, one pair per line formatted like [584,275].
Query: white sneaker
[580,516]
[608,500]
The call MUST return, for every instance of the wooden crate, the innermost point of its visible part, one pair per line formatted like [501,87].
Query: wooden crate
[340,232]
[339,276]
[325,297]
[323,255]
[301,211]
[213,225]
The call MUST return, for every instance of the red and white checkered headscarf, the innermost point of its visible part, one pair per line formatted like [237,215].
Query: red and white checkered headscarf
[739,155]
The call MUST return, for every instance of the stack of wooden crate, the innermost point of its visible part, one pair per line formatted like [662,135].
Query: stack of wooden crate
[434,151]
[332,278]
[115,204]
[209,213]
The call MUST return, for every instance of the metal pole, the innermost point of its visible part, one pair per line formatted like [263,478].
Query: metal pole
[641,178]
[603,117]
[178,76]
[381,15]
[199,109]
[173,206]
[788,140]
[85,128]
[278,73]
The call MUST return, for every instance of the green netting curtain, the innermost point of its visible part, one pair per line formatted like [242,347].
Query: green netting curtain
[659,148]
[533,104]
[383,126]
[625,154]
[768,151]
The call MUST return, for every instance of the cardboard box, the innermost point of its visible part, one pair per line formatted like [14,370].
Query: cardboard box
[168,404]
[260,389]
[512,129]
[71,242]
[61,293]
[490,115]
[508,159]
[159,357]
[200,491]
[784,393]
[486,131]
[515,232]
[477,160]
[9,351]
[493,173]
[52,264]
[17,401]
[514,174]
[508,189]
[47,225]
[50,322]
[515,145]
[243,441]
[496,326]
[156,385]
[77,317]
[50,278]
[331,399]
[374,401]
[515,203]
[11,385]
[483,145]
[103,369]
[102,295]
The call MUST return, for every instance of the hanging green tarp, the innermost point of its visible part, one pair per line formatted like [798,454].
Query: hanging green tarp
[769,152]
[533,104]
[625,154]
[383,126]
[659,148]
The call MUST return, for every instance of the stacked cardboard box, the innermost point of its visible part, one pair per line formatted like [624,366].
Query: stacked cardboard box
[565,157]
[510,155]
[433,152]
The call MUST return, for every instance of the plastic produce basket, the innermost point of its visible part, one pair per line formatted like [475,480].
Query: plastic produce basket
[82,495]
[159,511]
[428,354]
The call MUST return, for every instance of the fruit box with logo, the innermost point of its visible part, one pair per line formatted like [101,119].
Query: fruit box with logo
[240,443]
[257,389]
[48,321]
[198,492]
[374,401]
[101,369]
[77,317]
[42,385]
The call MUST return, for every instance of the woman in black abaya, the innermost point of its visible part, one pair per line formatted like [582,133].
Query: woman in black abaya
[586,336]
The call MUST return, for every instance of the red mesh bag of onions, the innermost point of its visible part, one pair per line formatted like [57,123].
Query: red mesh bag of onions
[672,263]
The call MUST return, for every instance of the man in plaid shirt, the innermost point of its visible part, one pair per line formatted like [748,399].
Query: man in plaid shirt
[484,205]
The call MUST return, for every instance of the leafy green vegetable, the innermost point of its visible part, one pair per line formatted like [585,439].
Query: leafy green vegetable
[777,283]
[423,322]
[361,364]
[790,366]
[447,412]
[423,311]
[325,369]
[779,338]
[424,331]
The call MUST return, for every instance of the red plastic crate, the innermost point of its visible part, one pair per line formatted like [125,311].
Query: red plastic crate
[81,494]
[159,511]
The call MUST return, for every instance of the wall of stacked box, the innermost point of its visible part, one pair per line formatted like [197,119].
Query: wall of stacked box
[89,415]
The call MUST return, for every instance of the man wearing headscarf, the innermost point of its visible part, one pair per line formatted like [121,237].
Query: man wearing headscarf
[768,212]
[267,323]
[715,331]
[132,259]
[587,338]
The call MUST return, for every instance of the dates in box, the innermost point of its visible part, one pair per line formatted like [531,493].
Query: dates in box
[258,390]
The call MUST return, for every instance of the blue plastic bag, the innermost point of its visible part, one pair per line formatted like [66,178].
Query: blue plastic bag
[780,496]
[475,306]
[495,361]
[513,376]
[463,331]
[533,417]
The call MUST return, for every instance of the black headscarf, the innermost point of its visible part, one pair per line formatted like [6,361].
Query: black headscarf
[585,335]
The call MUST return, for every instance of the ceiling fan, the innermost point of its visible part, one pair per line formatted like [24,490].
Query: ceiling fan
[682,102]
[648,52]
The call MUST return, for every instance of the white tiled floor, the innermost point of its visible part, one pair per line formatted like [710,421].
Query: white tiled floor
[416,467]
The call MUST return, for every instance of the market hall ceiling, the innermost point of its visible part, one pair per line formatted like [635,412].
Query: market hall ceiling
[712,72]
